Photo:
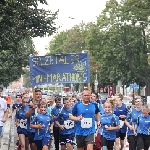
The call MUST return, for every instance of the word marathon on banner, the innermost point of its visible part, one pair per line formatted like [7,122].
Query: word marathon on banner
[59,68]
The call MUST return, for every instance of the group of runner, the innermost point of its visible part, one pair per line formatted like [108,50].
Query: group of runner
[86,122]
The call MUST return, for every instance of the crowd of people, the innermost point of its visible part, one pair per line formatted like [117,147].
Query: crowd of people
[87,122]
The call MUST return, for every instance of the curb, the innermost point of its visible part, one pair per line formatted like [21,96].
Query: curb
[6,134]
[12,145]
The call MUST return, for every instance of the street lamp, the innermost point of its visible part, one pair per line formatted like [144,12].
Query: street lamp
[86,51]
[96,82]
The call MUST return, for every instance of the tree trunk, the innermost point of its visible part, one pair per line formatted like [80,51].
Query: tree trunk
[123,89]
[147,91]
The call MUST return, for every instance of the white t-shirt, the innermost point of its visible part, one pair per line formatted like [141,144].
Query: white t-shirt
[3,107]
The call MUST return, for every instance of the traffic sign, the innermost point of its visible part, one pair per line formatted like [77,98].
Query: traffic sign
[96,82]
[134,86]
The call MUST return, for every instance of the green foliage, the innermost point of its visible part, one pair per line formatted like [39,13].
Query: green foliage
[26,77]
[11,62]
[119,47]
[20,21]
[73,41]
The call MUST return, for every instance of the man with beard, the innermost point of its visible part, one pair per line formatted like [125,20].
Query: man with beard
[32,110]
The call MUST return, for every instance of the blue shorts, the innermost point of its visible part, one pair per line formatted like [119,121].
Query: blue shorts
[66,138]
[44,142]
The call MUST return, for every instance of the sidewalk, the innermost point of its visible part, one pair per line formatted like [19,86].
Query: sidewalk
[5,140]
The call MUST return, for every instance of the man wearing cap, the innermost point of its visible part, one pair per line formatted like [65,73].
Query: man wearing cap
[3,110]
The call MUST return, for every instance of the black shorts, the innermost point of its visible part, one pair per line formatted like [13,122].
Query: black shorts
[22,132]
[31,136]
[8,105]
[66,138]
[120,135]
[143,141]
[82,141]
[108,143]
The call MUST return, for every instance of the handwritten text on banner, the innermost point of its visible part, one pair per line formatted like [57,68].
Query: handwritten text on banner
[62,68]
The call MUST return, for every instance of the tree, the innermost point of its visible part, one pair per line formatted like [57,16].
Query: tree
[73,41]
[12,62]
[70,41]
[23,18]
[118,45]
[20,21]
[26,77]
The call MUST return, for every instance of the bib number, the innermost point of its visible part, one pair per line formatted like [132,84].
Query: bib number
[121,123]
[23,124]
[86,123]
[69,124]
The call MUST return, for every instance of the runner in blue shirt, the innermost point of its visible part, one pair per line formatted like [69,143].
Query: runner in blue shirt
[31,109]
[42,123]
[131,120]
[54,113]
[17,104]
[110,125]
[143,129]
[97,142]
[84,113]
[120,111]
[66,126]
[22,125]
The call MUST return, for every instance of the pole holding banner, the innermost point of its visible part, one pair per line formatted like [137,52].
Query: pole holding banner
[33,92]
[89,87]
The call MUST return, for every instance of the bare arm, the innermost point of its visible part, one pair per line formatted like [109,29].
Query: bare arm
[128,124]
[38,126]
[113,128]
[5,116]
[74,118]
[29,112]
[97,116]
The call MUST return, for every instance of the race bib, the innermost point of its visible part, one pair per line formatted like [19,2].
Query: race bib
[23,124]
[68,124]
[121,123]
[86,123]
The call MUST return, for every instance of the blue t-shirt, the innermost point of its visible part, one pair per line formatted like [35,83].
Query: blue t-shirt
[55,112]
[87,125]
[63,119]
[143,125]
[132,119]
[101,109]
[43,119]
[121,111]
[109,120]
[22,120]
[16,105]
[48,110]
[29,120]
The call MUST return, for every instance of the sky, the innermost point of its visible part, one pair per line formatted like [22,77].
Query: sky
[80,10]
